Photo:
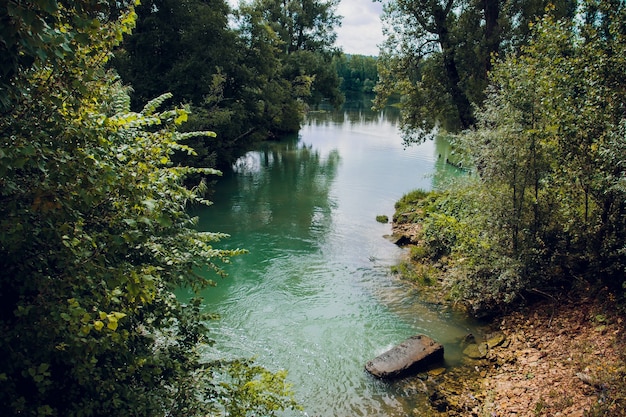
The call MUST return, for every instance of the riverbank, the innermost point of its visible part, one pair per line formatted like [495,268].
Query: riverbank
[558,357]
[564,358]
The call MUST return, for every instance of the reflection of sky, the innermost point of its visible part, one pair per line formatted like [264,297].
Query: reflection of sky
[333,176]
[248,164]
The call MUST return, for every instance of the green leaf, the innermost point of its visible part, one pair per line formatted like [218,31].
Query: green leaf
[164,221]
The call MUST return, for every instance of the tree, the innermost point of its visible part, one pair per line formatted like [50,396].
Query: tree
[549,187]
[306,32]
[358,73]
[236,78]
[303,25]
[559,103]
[95,238]
[437,55]
[177,46]
[547,202]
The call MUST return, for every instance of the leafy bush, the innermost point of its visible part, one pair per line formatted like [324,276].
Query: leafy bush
[95,238]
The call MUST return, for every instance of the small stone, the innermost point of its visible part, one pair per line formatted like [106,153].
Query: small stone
[476,351]
[436,371]
[495,340]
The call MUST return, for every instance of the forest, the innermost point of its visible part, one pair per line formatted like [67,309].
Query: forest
[544,208]
[116,115]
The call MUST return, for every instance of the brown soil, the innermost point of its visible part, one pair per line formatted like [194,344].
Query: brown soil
[560,358]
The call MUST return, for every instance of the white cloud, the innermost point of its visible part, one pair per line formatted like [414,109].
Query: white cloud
[361,29]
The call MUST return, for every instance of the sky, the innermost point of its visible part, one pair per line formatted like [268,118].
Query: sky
[361,30]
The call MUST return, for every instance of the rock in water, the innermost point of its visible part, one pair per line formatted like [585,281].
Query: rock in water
[416,352]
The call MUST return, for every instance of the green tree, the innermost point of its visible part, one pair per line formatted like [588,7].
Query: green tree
[236,77]
[307,25]
[437,55]
[306,29]
[550,122]
[548,157]
[358,73]
[94,239]
[177,46]
[547,202]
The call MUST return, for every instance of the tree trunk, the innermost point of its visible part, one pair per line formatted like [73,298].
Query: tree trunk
[491,9]
[459,99]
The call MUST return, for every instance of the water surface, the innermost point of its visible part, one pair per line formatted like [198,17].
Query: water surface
[315,295]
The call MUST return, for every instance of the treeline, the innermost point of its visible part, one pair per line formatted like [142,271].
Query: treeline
[247,74]
[358,73]
[545,209]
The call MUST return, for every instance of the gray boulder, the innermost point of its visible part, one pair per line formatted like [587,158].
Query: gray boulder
[417,352]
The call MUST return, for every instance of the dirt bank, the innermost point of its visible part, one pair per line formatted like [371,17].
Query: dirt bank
[560,358]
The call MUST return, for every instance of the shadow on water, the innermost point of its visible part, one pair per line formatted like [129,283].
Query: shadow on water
[314,295]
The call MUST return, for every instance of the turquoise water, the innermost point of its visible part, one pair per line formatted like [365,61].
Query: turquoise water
[314,295]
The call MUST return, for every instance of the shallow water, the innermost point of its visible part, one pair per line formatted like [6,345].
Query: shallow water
[315,296]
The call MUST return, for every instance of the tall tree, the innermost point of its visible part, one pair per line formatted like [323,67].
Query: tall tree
[437,54]
[237,78]
[177,46]
[307,25]
[95,238]
[548,201]
[549,149]
[306,29]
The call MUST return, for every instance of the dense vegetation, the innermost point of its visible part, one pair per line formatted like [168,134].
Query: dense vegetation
[95,237]
[95,182]
[248,74]
[545,208]
[437,55]
[358,73]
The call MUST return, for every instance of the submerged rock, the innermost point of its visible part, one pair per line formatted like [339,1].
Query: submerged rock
[414,353]
[495,340]
[476,351]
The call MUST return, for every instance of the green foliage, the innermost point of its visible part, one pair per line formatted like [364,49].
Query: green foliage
[247,74]
[455,233]
[437,55]
[42,33]
[94,239]
[381,218]
[358,73]
[246,389]
[554,111]
[305,31]
[548,200]
[409,203]
[302,25]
